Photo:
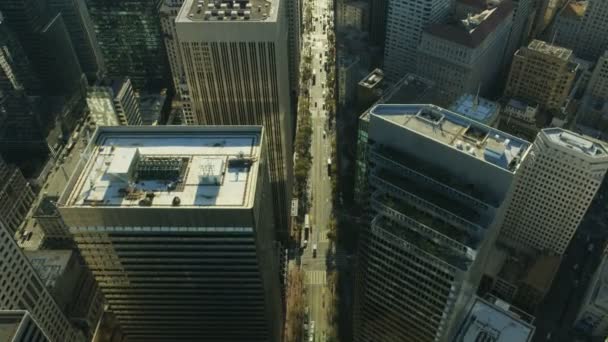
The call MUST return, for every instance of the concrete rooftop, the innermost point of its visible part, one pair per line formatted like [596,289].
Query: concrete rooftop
[493,322]
[168,166]
[461,133]
[576,142]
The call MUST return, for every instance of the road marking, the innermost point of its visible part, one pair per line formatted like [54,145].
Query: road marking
[315,278]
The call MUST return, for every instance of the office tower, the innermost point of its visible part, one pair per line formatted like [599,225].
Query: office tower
[592,40]
[22,289]
[130,40]
[294,20]
[437,185]
[410,89]
[462,57]
[552,190]
[405,22]
[175,222]
[592,317]
[477,108]
[113,103]
[348,76]
[377,21]
[495,320]
[46,41]
[544,74]
[354,15]
[568,22]
[82,34]
[234,56]
[598,84]
[523,17]
[71,285]
[17,71]
[16,195]
[168,14]
[19,326]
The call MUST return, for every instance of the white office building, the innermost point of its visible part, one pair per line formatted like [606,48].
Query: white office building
[405,22]
[235,58]
[552,190]
[438,183]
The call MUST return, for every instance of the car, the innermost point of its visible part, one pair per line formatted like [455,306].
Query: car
[314,250]
[324,133]
[305,243]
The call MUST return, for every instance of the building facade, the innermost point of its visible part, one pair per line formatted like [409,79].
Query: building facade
[544,74]
[552,191]
[130,40]
[19,326]
[22,289]
[113,103]
[168,14]
[377,21]
[16,196]
[437,184]
[82,34]
[462,58]
[348,70]
[176,225]
[405,23]
[567,24]
[592,39]
[236,72]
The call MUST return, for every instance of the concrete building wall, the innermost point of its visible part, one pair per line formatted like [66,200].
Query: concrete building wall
[16,196]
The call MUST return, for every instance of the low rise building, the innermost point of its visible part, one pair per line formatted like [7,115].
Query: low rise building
[477,108]
[114,101]
[348,74]
[370,89]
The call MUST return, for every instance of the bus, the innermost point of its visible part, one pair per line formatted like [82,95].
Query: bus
[306,226]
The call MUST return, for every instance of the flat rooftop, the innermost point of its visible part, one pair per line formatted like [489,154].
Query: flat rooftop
[459,132]
[576,142]
[49,264]
[494,322]
[476,108]
[551,50]
[168,166]
[229,10]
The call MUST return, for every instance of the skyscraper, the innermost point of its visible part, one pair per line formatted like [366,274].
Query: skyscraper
[294,20]
[130,40]
[82,34]
[176,225]
[438,183]
[19,326]
[592,39]
[22,289]
[405,21]
[377,21]
[234,58]
[168,14]
[553,189]
[16,195]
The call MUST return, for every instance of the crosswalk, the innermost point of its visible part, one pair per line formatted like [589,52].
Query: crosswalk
[315,278]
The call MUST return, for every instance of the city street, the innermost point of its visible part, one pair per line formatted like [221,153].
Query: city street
[315,267]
